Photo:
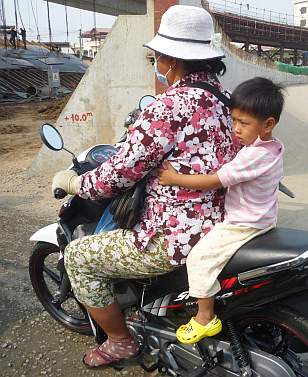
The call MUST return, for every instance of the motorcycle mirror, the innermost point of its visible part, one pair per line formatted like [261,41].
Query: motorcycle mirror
[146,101]
[51,137]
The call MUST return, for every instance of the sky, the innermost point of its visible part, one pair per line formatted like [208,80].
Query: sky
[84,20]
[77,19]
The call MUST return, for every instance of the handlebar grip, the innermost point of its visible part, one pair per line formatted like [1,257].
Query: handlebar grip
[59,193]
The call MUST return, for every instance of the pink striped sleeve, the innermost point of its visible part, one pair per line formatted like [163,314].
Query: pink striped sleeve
[248,164]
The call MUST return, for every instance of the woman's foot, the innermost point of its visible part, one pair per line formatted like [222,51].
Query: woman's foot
[193,331]
[120,352]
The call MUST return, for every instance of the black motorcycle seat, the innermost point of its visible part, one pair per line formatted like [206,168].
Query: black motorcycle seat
[278,245]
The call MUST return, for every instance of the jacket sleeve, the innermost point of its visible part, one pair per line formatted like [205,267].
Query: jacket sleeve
[148,141]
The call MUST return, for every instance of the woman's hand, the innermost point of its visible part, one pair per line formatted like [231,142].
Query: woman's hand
[168,176]
[67,180]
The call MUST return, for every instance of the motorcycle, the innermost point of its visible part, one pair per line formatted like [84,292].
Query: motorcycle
[262,302]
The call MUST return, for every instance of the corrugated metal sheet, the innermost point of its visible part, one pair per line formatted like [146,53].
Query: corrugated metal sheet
[23,70]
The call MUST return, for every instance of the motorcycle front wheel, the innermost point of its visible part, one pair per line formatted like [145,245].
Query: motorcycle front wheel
[46,281]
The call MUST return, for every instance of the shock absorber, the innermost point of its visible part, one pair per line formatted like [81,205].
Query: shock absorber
[239,353]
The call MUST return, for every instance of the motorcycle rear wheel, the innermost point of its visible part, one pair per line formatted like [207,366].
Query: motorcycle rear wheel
[281,332]
[46,280]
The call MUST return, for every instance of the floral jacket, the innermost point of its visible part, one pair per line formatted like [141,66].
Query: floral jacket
[196,127]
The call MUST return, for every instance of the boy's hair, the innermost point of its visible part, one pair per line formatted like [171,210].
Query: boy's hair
[259,97]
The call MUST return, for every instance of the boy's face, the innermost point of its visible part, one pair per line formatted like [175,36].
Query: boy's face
[247,128]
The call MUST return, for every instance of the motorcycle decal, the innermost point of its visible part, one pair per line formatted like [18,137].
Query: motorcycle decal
[240,291]
[159,306]
[253,287]
[182,296]
[228,283]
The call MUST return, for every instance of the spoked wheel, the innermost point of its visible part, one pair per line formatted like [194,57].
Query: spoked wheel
[46,280]
[282,333]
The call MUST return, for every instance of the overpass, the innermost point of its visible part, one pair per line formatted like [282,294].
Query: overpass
[111,7]
[262,33]
[259,27]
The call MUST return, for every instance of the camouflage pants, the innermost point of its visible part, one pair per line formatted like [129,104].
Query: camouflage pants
[92,261]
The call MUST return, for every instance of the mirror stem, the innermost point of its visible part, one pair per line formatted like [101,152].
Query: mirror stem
[69,152]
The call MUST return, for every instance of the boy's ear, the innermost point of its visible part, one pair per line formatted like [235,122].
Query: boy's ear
[270,123]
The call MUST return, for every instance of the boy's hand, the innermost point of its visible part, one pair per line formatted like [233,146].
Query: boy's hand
[168,175]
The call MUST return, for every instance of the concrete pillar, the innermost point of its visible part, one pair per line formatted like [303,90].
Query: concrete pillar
[118,77]
[160,7]
[281,53]
[295,56]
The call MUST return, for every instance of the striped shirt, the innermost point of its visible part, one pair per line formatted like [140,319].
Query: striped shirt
[252,178]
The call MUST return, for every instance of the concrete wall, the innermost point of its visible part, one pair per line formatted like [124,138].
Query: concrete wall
[242,66]
[293,130]
[119,76]
[293,126]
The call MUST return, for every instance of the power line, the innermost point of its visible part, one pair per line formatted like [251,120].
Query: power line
[36,24]
[20,15]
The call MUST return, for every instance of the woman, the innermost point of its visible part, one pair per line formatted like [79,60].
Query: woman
[193,128]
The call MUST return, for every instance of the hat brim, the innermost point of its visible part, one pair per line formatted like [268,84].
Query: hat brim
[184,50]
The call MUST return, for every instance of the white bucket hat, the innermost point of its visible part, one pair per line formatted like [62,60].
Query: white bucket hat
[187,33]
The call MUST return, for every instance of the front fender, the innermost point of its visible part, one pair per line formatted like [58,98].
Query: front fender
[46,234]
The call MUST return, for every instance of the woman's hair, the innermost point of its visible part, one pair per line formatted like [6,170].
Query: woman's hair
[259,97]
[212,66]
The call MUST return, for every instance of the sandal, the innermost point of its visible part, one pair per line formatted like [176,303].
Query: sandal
[193,331]
[109,353]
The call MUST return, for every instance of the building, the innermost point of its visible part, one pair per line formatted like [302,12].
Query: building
[90,42]
[301,13]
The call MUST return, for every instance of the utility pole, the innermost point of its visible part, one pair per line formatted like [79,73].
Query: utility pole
[16,21]
[49,27]
[80,44]
[4,23]
[94,19]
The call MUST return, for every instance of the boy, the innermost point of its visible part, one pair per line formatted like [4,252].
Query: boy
[252,179]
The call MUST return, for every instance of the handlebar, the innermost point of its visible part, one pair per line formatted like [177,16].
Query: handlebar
[59,193]
[284,189]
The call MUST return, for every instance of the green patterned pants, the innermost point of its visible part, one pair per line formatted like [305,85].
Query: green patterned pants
[92,261]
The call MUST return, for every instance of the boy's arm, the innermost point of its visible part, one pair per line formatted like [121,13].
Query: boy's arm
[170,177]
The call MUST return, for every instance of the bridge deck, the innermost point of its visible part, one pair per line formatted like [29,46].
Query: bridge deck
[245,29]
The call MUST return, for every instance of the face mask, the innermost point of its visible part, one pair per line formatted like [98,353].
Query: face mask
[160,77]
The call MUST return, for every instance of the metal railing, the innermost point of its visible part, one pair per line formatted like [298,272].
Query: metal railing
[240,8]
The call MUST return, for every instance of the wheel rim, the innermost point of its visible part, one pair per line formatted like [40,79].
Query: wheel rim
[70,311]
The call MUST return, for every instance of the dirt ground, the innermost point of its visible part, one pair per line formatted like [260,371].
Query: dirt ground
[31,343]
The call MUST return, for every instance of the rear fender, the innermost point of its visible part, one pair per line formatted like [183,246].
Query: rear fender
[46,234]
[298,302]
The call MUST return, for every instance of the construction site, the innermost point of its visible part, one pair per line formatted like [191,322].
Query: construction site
[87,97]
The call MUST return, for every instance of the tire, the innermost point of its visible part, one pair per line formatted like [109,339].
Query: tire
[46,280]
[289,325]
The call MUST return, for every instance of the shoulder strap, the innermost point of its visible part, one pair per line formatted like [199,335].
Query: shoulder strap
[212,89]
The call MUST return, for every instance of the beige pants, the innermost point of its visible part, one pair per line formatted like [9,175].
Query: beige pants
[210,255]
